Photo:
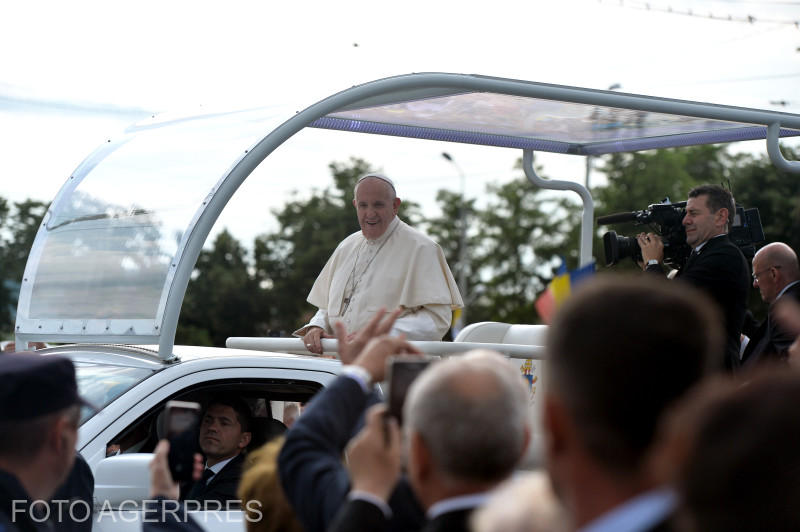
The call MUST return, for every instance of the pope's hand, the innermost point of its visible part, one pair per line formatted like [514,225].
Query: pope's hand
[313,339]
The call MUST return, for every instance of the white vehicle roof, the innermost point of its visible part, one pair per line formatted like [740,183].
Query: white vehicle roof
[113,257]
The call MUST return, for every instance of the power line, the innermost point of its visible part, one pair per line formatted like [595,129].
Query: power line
[764,2]
[689,12]
[736,80]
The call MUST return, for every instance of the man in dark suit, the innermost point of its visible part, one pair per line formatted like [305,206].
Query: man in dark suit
[716,265]
[466,429]
[312,473]
[620,353]
[224,435]
[39,413]
[78,489]
[776,274]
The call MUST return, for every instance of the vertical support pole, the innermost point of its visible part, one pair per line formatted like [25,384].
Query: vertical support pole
[587,220]
[774,150]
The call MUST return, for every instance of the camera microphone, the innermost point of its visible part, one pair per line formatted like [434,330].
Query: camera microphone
[617,218]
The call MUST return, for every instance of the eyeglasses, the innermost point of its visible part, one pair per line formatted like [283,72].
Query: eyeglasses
[768,268]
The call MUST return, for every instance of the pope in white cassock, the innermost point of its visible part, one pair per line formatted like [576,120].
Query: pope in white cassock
[387,264]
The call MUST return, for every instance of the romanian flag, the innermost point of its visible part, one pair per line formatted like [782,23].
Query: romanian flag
[558,289]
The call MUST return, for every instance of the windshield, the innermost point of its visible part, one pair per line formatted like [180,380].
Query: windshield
[101,384]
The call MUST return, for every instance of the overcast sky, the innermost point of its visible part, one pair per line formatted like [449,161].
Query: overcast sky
[73,74]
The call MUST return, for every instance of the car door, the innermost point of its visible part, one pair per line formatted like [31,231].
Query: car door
[121,513]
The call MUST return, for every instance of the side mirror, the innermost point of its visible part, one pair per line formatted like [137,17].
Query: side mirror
[122,478]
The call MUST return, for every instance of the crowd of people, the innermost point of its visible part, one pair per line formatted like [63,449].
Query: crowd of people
[666,407]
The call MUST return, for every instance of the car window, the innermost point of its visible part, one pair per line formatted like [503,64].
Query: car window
[100,384]
[265,397]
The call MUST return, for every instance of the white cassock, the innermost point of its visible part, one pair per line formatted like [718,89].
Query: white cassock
[403,268]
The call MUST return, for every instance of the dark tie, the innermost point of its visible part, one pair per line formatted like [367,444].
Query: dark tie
[199,487]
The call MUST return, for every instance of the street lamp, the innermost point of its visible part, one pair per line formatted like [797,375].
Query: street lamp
[462,246]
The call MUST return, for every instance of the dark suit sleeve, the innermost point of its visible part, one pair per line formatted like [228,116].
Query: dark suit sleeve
[312,474]
[751,325]
[780,338]
[722,272]
[357,516]
[79,486]
[310,462]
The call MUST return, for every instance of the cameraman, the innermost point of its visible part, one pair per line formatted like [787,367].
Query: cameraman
[716,265]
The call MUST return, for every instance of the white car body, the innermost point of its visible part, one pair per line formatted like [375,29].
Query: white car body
[122,481]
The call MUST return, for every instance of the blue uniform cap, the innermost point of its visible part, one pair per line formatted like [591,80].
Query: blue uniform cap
[33,385]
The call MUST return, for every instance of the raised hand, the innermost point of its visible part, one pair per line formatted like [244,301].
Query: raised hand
[374,456]
[350,345]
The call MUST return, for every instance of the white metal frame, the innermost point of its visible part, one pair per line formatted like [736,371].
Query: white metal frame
[394,89]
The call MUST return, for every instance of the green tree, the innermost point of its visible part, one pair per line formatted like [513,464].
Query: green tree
[635,180]
[221,299]
[523,231]
[6,324]
[18,227]
[446,230]
[758,183]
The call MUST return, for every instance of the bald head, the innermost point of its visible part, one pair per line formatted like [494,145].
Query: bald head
[779,254]
[471,411]
[774,266]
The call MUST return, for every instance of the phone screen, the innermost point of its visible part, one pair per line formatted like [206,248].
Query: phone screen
[181,422]
[402,372]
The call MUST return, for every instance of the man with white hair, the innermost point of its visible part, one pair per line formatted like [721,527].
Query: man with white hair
[388,265]
[466,429]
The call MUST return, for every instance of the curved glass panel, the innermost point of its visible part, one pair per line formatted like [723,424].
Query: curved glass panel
[108,246]
[100,384]
[538,124]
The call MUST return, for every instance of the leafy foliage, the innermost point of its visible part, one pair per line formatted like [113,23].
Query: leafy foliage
[523,231]
[220,298]
[513,241]
[18,227]
[758,183]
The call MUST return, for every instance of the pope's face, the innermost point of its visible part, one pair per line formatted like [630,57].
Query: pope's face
[376,207]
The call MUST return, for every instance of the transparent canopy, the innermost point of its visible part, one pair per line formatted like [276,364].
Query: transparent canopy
[540,124]
[113,257]
[109,243]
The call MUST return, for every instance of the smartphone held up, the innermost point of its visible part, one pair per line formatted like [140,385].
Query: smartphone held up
[403,370]
[182,421]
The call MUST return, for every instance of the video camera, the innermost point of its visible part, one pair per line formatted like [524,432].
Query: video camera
[666,220]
